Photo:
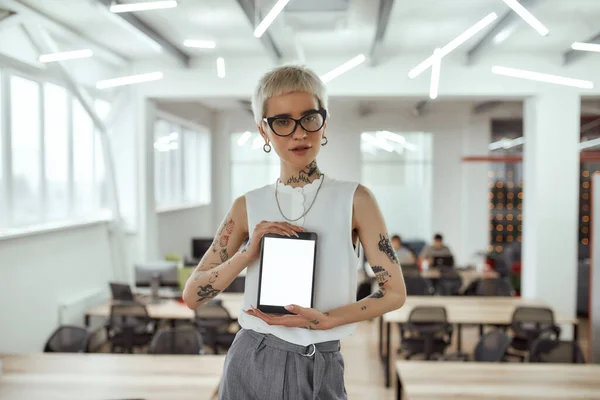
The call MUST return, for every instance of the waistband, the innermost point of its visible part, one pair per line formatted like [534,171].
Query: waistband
[308,351]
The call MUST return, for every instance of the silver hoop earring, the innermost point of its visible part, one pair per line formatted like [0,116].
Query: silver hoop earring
[267,148]
[325,142]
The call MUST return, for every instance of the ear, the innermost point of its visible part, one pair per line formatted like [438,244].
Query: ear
[263,133]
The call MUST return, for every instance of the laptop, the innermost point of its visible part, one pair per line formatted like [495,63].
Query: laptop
[121,292]
[443,261]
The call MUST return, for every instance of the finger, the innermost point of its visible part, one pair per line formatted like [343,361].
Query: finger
[284,226]
[294,228]
[282,230]
[308,313]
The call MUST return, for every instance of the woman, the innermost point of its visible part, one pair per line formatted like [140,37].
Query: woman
[297,356]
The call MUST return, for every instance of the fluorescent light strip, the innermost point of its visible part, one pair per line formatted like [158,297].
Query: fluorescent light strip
[67,55]
[221,67]
[589,143]
[537,76]
[506,143]
[244,138]
[586,46]
[460,39]
[146,6]
[270,17]
[345,67]
[527,16]
[129,80]
[394,137]
[435,75]
[200,44]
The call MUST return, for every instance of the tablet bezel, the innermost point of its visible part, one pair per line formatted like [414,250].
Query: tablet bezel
[301,236]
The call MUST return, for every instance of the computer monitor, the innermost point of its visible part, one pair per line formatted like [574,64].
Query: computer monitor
[443,261]
[200,246]
[121,291]
[165,270]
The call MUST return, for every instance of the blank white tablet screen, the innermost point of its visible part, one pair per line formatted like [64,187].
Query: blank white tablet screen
[287,272]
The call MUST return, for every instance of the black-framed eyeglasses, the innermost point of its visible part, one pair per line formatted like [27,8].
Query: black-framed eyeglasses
[285,126]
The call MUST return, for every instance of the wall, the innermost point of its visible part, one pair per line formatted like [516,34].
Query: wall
[177,227]
[38,272]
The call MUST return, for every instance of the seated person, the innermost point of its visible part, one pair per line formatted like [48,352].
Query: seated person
[438,249]
[405,256]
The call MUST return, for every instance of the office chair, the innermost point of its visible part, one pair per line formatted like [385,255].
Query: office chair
[129,326]
[529,324]
[416,285]
[177,341]
[545,350]
[495,287]
[491,347]
[68,339]
[449,283]
[427,332]
[215,325]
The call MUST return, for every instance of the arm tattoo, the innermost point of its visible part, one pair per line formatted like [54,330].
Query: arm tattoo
[326,313]
[385,246]
[305,174]
[222,238]
[363,308]
[310,328]
[198,275]
[315,322]
[378,294]
[207,292]
[213,277]
[381,274]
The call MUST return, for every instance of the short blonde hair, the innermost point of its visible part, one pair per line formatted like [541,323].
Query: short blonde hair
[284,80]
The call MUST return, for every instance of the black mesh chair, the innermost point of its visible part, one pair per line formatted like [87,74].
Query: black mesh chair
[449,283]
[417,286]
[68,339]
[495,287]
[177,341]
[129,326]
[491,347]
[216,325]
[529,324]
[427,332]
[545,350]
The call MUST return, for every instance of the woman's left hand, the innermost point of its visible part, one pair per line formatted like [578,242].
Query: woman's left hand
[307,318]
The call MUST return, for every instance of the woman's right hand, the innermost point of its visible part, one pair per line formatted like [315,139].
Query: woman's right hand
[252,249]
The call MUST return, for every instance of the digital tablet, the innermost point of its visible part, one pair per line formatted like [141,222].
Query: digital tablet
[287,272]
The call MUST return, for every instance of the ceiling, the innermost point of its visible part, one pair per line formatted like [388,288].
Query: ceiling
[315,28]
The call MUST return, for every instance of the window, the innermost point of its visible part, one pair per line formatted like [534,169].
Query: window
[26,151]
[56,145]
[251,167]
[397,169]
[55,170]
[182,165]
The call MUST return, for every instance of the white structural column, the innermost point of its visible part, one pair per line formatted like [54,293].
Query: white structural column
[595,275]
[550,211]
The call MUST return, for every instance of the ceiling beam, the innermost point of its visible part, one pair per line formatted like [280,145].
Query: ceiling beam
[9,20]
[507,23]
[267,40]
[160,42]
[29,13]
[486,106]
[383,19]
[570,56]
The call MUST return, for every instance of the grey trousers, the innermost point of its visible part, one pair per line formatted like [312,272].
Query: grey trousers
[264,367]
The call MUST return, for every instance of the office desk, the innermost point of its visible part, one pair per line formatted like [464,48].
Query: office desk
[468,276]
[427,380]
[173,310]
[468,310]
[109,376]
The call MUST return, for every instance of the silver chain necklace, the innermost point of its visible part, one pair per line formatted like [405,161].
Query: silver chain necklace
[307,210]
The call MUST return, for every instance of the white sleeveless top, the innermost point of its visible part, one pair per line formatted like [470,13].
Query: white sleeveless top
[337,262]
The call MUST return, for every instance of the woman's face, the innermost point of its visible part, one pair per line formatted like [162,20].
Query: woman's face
[301,147]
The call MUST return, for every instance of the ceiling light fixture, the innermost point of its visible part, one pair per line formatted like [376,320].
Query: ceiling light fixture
[586,47]
[460,39]
[435,75]
[394,137]
[66,55]
[145,6]
[270,17]
[527,16]
[129,80]
[541,77]
[345,67]
[221,67]
[200,44]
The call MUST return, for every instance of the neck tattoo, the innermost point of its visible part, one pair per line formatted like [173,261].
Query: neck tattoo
[306,175]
